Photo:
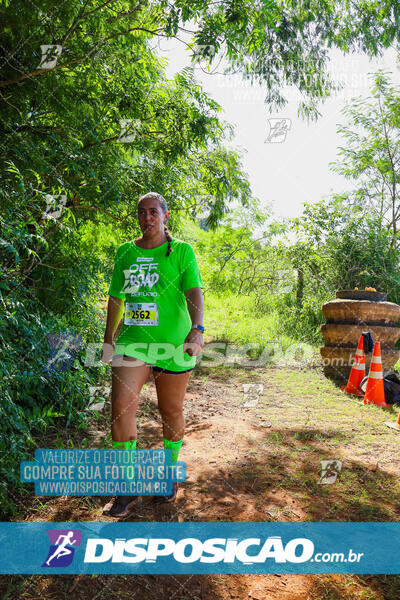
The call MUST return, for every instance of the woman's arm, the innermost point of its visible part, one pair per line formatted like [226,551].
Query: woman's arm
[115,310]
[195,304]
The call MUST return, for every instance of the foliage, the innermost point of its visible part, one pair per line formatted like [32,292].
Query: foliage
[236,262]
[69,189]
[35,398]
[352,240]
[371,156]
[338,246]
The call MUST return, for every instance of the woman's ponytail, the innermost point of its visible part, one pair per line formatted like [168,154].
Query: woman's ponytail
[169,238]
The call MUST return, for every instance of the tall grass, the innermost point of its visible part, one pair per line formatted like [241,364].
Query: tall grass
[235,319]
[240,320]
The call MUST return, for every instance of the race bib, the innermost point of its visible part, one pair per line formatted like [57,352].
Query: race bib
[141,313]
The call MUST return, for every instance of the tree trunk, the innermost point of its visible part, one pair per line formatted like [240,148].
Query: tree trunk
[300,286]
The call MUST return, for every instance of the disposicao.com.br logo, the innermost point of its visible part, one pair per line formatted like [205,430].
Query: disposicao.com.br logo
[176,554]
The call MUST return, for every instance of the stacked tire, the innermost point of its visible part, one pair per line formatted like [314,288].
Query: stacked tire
[350,314]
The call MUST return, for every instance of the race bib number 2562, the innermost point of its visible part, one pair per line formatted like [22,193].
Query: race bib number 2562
[141,313]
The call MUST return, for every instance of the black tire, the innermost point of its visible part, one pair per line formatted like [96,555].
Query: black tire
[361,295]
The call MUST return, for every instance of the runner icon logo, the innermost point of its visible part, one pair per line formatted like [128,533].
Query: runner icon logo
[60,552]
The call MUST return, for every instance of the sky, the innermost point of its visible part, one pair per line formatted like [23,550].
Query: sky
[295,169]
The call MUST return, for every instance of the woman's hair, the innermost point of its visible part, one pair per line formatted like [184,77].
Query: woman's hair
[163,204]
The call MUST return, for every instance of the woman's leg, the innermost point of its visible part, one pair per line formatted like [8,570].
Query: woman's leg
[171,389]
[127,382]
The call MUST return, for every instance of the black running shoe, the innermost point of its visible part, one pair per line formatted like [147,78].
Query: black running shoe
[121,506]
[167,498]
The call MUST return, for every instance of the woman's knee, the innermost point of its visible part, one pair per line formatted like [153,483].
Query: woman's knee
[171,412]
[124,405]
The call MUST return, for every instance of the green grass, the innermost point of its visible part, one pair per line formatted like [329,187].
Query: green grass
[235,319]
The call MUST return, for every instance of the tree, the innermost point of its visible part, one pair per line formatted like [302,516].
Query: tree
[270,41]
[340,246]
[236,261]
[85,132]
[65,161]
[371,156]
[352,239]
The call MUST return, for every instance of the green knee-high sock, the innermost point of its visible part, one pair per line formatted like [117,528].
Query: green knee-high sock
[129,445]
[174,446]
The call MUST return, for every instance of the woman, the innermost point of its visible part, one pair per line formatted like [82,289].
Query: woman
[156,285]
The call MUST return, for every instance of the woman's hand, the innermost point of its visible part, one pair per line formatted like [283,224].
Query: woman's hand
[194,343]
[107,351]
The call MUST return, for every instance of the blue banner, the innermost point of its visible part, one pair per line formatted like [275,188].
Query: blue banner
[192,548]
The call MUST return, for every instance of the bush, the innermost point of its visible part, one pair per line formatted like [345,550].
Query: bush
[33,399]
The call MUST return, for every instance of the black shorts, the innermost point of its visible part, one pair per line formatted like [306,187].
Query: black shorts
[160,370]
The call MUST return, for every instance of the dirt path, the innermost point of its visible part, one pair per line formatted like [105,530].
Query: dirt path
[249,458]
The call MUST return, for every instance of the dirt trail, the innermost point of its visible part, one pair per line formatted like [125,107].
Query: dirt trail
[247,460]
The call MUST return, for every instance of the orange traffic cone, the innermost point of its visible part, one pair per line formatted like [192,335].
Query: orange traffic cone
[357,372]
[394,425]
[375,391]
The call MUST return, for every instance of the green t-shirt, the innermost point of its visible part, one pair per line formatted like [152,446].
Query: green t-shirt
[156,320]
